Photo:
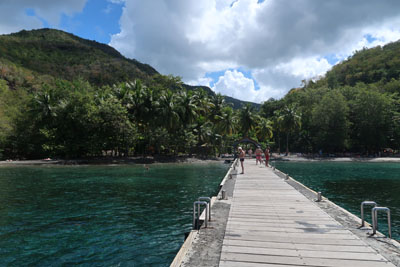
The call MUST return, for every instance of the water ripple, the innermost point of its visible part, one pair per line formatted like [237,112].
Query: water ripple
[96,216]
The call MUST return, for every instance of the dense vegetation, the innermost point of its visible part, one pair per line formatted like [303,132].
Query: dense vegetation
[75,119]
[354,108]
[62,96]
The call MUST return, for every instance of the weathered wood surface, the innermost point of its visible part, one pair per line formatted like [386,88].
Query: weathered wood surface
[272,224]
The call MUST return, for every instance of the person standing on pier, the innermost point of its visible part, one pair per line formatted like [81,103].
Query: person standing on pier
[258,155]
[241,157]
[266,156]
[250,152]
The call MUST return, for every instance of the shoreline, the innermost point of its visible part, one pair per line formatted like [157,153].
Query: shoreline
[111,161]
[296,158]
[185,160]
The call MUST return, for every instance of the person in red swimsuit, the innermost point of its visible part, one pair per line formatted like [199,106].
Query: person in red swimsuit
[258,155]
[266,156]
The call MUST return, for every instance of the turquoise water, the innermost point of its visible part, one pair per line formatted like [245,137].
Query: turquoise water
[99,216]
[348,184]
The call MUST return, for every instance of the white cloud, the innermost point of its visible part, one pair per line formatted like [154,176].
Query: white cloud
[281,41]
[13,15]
[235,84]
[304,67]
[204,81]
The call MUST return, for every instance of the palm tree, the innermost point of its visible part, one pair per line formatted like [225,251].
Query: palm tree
[225,126]
[264,129]
[291,120]
[226,122]
[202,101]
[206,133]
[140,102]
[277,125]
[46,103]
[187,107]
[167,111]
[247,119]
[124,93]
[217,102]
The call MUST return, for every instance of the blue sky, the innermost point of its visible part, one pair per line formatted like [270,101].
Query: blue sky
[98,20]
[247,49]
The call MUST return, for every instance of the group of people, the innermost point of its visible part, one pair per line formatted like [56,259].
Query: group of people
[258,153]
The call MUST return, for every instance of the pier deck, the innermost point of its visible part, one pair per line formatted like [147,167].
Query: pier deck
[272,224]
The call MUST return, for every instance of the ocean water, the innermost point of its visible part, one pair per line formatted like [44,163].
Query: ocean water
[350,183]
[99,215]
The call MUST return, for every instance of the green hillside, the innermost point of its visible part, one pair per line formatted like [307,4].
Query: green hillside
[29,57]
[63,55]
[354,108]
[378,64]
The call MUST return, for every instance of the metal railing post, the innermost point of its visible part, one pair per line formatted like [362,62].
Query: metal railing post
[375,219]
[223,194]
[364,203]
[209,205]
[198,203]
[319,197]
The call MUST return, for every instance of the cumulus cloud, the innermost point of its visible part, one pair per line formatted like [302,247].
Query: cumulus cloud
[235,84]
[281,41]
[13,15]
[276,80]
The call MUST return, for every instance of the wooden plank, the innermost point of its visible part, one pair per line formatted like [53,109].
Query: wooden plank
[309,221]
[304,253]
[267,234]
[296,240]
[283,225]
[362,248]
[252,264]
[274,229]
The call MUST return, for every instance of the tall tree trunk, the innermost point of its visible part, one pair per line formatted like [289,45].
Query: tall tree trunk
[279,143]
[287,144]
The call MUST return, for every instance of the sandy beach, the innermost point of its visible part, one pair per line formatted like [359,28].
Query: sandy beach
[110,161]
[335,159]
[156,160]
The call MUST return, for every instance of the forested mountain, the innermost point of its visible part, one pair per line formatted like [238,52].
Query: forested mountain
[354,108]
[61,55]
[378,64]
[30,57]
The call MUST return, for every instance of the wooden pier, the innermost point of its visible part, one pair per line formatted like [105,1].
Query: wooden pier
[272,224]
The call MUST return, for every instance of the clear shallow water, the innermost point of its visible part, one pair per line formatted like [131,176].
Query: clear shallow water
[99,216]
[348,184]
